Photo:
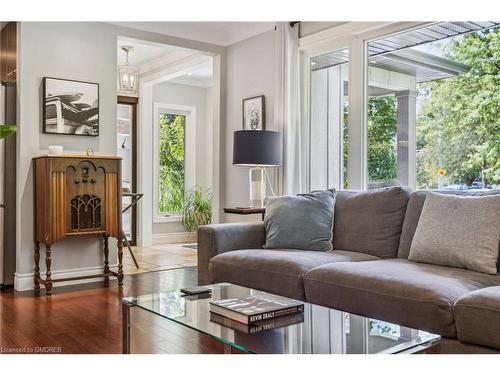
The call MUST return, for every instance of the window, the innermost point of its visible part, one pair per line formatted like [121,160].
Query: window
[328,120]
[174,161]
[458,118]
[171,168]
[424,106]
[434,108]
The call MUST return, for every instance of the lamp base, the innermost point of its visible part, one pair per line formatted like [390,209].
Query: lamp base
[257,187]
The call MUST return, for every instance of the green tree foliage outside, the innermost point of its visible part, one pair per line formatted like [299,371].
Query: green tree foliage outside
[172,153]
[458,128]
[382,131]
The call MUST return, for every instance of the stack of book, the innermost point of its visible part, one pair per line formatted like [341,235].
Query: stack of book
[256,313]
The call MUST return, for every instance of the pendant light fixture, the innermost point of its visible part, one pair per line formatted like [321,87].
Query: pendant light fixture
[128,75]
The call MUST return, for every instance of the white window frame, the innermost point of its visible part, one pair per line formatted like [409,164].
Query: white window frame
[354,36]
[189,153]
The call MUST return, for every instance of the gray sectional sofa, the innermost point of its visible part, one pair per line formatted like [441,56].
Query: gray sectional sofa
[368,273]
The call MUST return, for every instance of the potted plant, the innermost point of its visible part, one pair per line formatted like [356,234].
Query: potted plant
[197,209]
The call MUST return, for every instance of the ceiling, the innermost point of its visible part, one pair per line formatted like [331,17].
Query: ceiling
[220,33]
[149,56]
[143,52]
[432,33]
[200,75]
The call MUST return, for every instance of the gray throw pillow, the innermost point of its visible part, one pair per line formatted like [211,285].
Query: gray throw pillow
[462,232]
[302,222]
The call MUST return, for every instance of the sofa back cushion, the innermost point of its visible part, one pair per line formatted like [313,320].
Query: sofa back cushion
[413,211]
[371,221]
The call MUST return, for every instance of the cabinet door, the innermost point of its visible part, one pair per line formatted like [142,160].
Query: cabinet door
[86,198]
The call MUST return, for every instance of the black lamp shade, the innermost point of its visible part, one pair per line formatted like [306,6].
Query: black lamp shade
[257,147]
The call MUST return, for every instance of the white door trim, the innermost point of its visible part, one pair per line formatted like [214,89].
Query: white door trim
[145,134]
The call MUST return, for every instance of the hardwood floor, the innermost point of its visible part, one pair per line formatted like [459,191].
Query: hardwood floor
[158,258]
[87,319]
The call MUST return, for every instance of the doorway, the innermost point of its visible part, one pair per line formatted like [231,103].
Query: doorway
[167,151]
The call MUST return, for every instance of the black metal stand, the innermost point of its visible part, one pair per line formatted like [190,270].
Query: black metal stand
[136,197]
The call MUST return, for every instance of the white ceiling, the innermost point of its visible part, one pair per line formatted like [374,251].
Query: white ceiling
[143,51]
[221,33]
[200,75]
[148,56]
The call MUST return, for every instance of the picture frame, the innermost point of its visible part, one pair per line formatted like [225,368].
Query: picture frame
[70,107]
[254,113]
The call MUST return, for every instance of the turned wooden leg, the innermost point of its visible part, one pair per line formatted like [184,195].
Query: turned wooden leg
[120,259]
[36,275]
[106,256]
[48,263]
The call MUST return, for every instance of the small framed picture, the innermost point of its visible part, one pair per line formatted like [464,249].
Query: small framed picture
[70,107]
[254,113]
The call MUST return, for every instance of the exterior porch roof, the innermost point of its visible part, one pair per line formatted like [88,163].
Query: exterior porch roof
[392,53]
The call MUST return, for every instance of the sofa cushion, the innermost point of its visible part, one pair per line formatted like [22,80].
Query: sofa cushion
[412,216]
[477,317]
[303,221]
[397,290]
[460,232]
[278,271]
[370,221]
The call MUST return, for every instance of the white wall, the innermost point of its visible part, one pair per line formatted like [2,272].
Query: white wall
[76,51]
[201,99]
[83,51]
[250,72]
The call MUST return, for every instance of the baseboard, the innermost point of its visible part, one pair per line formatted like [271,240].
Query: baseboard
[25,281]
[163,238]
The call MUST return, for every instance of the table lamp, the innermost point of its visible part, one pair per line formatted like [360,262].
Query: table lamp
[257,149]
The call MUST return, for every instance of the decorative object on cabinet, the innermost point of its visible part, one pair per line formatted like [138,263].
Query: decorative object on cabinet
[56,150]
[70,107]
[76,195]
[254,113]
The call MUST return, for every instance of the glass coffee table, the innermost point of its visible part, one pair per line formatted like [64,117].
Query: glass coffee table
[319,330]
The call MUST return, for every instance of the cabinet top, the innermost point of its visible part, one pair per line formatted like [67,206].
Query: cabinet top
[79,156]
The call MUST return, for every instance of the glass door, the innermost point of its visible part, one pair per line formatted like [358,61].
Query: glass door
[126,148]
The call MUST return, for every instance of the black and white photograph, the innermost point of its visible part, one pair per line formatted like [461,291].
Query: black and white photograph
[70,107]
[254,113]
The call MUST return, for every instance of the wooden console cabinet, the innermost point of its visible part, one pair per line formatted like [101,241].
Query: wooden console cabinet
[76,195]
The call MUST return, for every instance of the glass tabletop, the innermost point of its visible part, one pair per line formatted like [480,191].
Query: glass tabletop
[319,330]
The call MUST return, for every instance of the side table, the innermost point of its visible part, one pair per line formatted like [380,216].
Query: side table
[245,211]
